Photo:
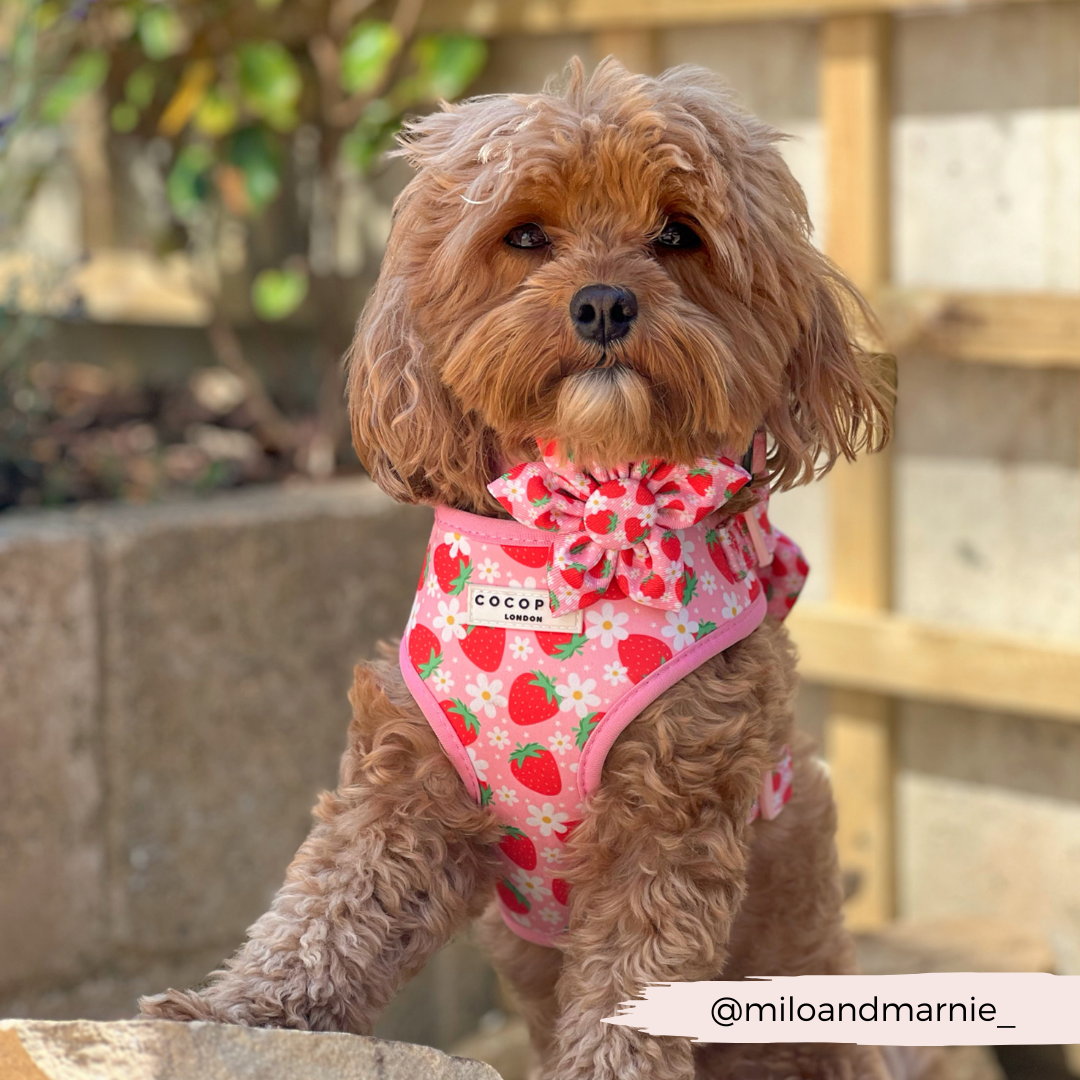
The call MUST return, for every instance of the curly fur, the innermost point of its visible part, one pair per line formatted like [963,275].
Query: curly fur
[464,355]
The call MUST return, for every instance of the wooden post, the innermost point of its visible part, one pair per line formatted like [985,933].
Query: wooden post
[859,730]
[635,49]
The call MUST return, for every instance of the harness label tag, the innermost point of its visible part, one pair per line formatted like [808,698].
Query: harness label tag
[505,606]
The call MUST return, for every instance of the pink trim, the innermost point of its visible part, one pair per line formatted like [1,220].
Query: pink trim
[630,705]
[493,530]
[537,937]
[442,727]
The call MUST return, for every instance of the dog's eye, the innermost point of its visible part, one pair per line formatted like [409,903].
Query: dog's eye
[677,234]
[529,235]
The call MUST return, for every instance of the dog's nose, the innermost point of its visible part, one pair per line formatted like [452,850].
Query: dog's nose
[603,313]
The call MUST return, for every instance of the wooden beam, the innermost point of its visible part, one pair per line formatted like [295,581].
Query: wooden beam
[978,669]
[859,732]
[1040,330]
[494,17]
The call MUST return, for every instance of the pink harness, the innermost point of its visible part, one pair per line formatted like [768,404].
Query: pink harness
[528,670]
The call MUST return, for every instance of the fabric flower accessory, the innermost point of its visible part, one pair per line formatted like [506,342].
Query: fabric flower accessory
[617,530]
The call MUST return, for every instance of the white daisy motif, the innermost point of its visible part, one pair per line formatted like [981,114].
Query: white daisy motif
[680,628]
[514,490]
[594,502]
[688,552]
[440,679]
[520,649]
[551,854]
[485,695]
[616,673]
[550,915]
[546,820]
[432,585]
[506,795]
[479,765]
[573,766]
[559,742]
[457,543]
[528,583]
[607,625]
[577,695]
[731,606]
[647,514]
[531,885]
[499,738]
[707,581]
[450,620]
[488,571]
[412,615]
[558,560]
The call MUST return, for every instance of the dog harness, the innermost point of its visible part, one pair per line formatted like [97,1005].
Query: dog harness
[534,642]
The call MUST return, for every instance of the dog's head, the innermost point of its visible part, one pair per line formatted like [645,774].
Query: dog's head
[623,266]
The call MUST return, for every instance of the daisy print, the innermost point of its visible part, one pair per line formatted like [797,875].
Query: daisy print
[441,680]
[412,614]
[558,561]
[485,695]
[479,765]
[432,585]
[514,490]
[520,649]
[560,743]
[616,672]
[594,502]
[731,606]
[647,515]
[531,885]
[688,552]
[546,819]
[506,795]
[577,695]
[488,571]
[450,620]
[499,738]
[607,625]
[551,854]
[528,583]
[458,544]
[680,628]
[707,581]
[550,915]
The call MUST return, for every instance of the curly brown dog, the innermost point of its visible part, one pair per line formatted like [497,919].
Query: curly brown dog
[466,353]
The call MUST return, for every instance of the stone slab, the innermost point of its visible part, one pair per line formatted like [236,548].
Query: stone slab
[162,1050]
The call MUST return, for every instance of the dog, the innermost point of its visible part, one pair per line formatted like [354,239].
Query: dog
[621,268]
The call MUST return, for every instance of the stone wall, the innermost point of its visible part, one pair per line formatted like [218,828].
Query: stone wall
[172,699]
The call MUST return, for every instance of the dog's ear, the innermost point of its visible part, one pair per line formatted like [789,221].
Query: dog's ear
[838,394]
[411,436]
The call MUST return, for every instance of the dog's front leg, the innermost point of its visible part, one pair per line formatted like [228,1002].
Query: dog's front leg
[653,901]
[399,860]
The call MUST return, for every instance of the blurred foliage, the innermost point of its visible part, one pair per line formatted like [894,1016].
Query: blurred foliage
[230,95]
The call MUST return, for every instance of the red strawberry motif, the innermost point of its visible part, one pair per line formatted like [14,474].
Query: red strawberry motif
[802,567]
[686,587]
[661,472]
[643,496]
[537,491]
[533,557]
[463,720]
[642,654]
[573,574]
[613,489]
[560,889]
[702,513]
[755,587]
[453,571]
[585,728]
[700,481]
[602,522]
[636,530]
[423,571]
[671,545]
[616,589]
[518,848]
[547,521]
[532,698]
[424,651]
[510,896]
[568,828]
[560,645]
[536,768]
[484,645]
[486,793]
[716,553]
[652,586]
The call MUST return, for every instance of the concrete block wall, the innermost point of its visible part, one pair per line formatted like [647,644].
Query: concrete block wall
[172,699]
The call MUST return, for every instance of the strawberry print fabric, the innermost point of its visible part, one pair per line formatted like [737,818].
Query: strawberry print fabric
[618,525]
[528,716]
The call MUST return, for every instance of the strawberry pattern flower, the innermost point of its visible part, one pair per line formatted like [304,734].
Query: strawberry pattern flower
[518,709]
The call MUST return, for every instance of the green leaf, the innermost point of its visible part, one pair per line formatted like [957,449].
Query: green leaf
[457,586]
[703,629]
[124,117]
[270,82]
[429,668]
[189,181]
[217,113]
[253,152]
[162,32]
[83,75]
[584,730]
[547,684]
[447,63]
[139,86]
[367,54]
[276,294]
[371,134]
